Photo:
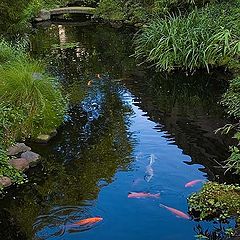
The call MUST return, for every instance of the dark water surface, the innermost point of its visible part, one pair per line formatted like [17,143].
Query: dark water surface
[127,130]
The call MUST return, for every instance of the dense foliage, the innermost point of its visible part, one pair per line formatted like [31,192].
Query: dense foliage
[231,100]
[16,15]
[31,102]
[141,11]
[193,41]
[215,201]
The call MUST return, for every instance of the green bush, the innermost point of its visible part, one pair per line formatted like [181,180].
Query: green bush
[231,100]
[215,201]
[111,9]
[194,41]
[141,11]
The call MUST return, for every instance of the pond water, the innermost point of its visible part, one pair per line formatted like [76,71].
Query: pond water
[128,130]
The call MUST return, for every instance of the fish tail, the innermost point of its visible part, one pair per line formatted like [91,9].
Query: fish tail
[157,195]
[162,205]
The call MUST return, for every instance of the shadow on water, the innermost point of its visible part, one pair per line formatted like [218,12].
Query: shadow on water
[188,108]
[118,118]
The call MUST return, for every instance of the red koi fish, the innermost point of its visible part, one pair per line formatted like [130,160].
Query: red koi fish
[143,195]
[176,212]
[88,221]
[192,183]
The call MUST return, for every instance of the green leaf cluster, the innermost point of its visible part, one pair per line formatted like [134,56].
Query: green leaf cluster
[215,200]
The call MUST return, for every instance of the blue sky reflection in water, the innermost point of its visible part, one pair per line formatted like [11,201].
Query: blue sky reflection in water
[114,128]
[126,218]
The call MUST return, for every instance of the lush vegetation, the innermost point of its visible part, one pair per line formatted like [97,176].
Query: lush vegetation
[16,15]
[215,201]
[192,41]
[231,100]
[31,102]
[134,11]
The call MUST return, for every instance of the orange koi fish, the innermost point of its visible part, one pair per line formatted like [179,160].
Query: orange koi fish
[192,183]
[143,195]
[88,221]
[176,212]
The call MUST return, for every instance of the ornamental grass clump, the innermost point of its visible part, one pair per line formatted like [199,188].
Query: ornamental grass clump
[193,41]
[28,90]
[31,100]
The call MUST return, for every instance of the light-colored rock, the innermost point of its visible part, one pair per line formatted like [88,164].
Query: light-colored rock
[20,163]
[5,181]
[45,138]
[18,148]
[30,156]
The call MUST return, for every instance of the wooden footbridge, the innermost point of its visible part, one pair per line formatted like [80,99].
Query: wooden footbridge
[72,10]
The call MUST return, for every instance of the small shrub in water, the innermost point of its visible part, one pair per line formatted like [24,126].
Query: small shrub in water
[215,201]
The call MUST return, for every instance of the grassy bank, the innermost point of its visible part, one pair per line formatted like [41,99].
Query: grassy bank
[31,102]
[193,41]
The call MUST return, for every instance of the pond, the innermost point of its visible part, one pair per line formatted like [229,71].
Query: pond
[130,143]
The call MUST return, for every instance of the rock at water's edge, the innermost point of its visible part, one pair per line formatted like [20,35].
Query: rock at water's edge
[45,138]
[5,181]
[20,163]
[17,148]
[30,156]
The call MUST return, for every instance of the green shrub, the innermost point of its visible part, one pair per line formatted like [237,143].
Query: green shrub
[111,9]
[141,10]
[231,99]
[10,53]
[11,119]
[215,201]
[193,41]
